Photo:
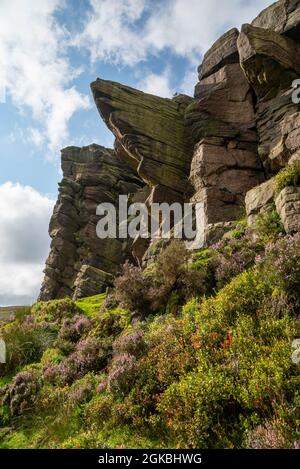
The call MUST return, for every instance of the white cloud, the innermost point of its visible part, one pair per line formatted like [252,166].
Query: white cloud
[189,81]
[111,33]
[158,84]
[114,30]
[35,70]
[24,242]
[35,136]
[190,27]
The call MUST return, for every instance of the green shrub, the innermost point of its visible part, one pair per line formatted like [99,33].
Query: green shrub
[26,342]
[288,176]
[197,410]
[52,356]
[242,367]
[132,289]
[111,323]
[268,226]
[282,265]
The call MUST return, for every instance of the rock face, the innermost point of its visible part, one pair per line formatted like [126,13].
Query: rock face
[79,263]
[225,163]
[220,147]
[288,207]
[222,175]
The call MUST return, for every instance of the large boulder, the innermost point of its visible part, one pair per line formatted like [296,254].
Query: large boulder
[91,280]
[288,207]
[260,199]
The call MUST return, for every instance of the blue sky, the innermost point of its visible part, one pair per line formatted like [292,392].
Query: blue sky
[50,51]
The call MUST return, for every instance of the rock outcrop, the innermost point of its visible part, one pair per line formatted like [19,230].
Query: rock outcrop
[220,147]
[79,263]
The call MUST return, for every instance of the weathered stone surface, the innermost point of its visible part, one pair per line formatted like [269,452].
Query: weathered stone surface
[139,248]
[91,280]
[282,17]
[226,96]
[288,207]
[273,118]
[227,168]
[259,199]
[150,130]
[221,177]
[270,61]
[91,175]
[224,51]
[225,163]
[223,106]
[294,158]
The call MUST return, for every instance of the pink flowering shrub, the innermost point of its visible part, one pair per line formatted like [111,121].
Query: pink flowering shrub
[73,328]
[89,355]
[268,436]
[122,373]
[71,331]
[132,288]
[21,393]
[282,263]
[232,257]
[82,390]
[133,344]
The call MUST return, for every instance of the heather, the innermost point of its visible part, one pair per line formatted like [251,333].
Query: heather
[193,351]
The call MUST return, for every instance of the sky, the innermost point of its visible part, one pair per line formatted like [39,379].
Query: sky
[50,52]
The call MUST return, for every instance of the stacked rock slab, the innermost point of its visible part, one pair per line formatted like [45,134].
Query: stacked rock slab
[271,63]
[270,56]
[150,134]
[288,207]
[225,163]
[281,17]
[80,264]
